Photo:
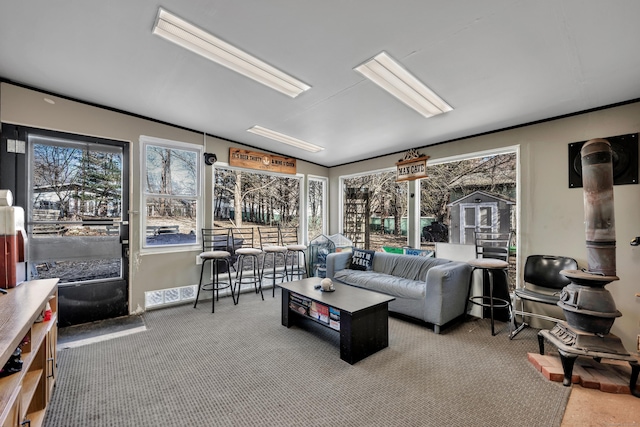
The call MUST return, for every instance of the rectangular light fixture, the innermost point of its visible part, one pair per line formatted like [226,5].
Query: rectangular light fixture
[286,139]
[205,44]
[395,79]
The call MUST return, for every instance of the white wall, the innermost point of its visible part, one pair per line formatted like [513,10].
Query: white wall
[551,214]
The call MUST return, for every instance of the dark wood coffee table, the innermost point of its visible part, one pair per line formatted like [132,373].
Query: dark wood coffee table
[363,317]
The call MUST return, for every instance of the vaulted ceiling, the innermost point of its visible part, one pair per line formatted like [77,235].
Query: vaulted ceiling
[498,63]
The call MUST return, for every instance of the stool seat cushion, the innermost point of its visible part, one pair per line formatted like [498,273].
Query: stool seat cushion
[274,249]
[248,251]
[488,263]
[297,247]
[215,254]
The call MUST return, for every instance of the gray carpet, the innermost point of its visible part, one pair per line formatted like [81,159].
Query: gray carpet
[241,367]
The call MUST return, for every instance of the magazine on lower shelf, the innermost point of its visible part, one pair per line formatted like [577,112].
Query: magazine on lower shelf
[334,318]
[319,312]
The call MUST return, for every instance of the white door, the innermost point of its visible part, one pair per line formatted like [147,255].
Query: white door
[480,216]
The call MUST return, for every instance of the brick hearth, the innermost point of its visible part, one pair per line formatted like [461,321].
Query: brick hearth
[611,376]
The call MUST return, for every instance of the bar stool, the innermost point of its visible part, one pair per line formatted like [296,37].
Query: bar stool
[243,247]
[215,247]
[490,266]
[271,245]
[289,237]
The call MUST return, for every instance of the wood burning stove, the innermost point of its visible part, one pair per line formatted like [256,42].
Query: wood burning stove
[588,307]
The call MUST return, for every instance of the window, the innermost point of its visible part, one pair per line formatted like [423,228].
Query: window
[375,210]
[255,199]
[460,195]
[316,207]
[474,193]
[171,193]
[465,195]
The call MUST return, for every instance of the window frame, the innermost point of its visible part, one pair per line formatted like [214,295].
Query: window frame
[341,198]
[146,141]
[325,205]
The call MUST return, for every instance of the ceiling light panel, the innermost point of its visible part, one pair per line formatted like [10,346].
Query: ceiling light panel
[190,37]
[395,79]
[285,139]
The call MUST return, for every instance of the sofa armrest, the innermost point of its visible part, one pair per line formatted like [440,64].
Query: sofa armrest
[447,290]
[337,261]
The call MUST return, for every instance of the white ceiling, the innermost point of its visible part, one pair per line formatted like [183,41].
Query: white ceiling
[499,63]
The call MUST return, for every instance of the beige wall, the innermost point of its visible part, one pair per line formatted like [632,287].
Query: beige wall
[148,271]
[551,214]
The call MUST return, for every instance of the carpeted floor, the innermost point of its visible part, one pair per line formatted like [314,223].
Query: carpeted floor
[241,367]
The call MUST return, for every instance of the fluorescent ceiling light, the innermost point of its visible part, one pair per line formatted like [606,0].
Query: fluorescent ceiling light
[395,79]
[201,42]
[268,133]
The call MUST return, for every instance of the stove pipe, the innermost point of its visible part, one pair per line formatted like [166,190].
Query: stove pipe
[597,183]
[587,306]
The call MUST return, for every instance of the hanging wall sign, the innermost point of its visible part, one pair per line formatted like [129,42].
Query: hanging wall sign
[261,161]
[412,166]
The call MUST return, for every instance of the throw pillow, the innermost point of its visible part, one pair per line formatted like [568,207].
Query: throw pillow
[362,260]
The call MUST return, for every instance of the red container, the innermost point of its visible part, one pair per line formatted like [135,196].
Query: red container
[12,247]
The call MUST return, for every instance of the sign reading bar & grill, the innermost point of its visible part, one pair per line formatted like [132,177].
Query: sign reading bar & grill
[261,161]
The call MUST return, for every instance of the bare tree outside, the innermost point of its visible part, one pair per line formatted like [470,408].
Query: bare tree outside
[171,191]
[251,198]
[315,210]
[449,182]
[74,183]
[445,183]
[387,207]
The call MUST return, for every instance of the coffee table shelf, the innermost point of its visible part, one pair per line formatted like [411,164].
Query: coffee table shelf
[364,316]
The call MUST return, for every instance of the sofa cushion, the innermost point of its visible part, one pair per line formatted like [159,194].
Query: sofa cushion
[407,266]
[384,283]
[362,259]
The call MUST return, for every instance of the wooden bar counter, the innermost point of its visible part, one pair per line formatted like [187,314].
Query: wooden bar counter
[24,395]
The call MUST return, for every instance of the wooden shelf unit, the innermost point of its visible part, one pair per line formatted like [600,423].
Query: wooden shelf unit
[24,395]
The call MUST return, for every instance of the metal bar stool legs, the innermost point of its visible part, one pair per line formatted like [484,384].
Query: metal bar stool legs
[273,274]
[246,254]
[216,286]
[296,269]
[491,266]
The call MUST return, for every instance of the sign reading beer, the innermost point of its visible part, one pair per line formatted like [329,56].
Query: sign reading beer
[261,161]
[412,166]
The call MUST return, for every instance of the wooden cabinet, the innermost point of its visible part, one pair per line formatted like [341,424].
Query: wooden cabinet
[24,395]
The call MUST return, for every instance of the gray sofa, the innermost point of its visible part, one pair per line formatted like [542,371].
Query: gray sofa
[429,289]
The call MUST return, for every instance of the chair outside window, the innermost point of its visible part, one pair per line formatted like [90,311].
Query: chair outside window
[494,245]
[244,248]
[543,272]
[216,247]
[289,236]
[271,245]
